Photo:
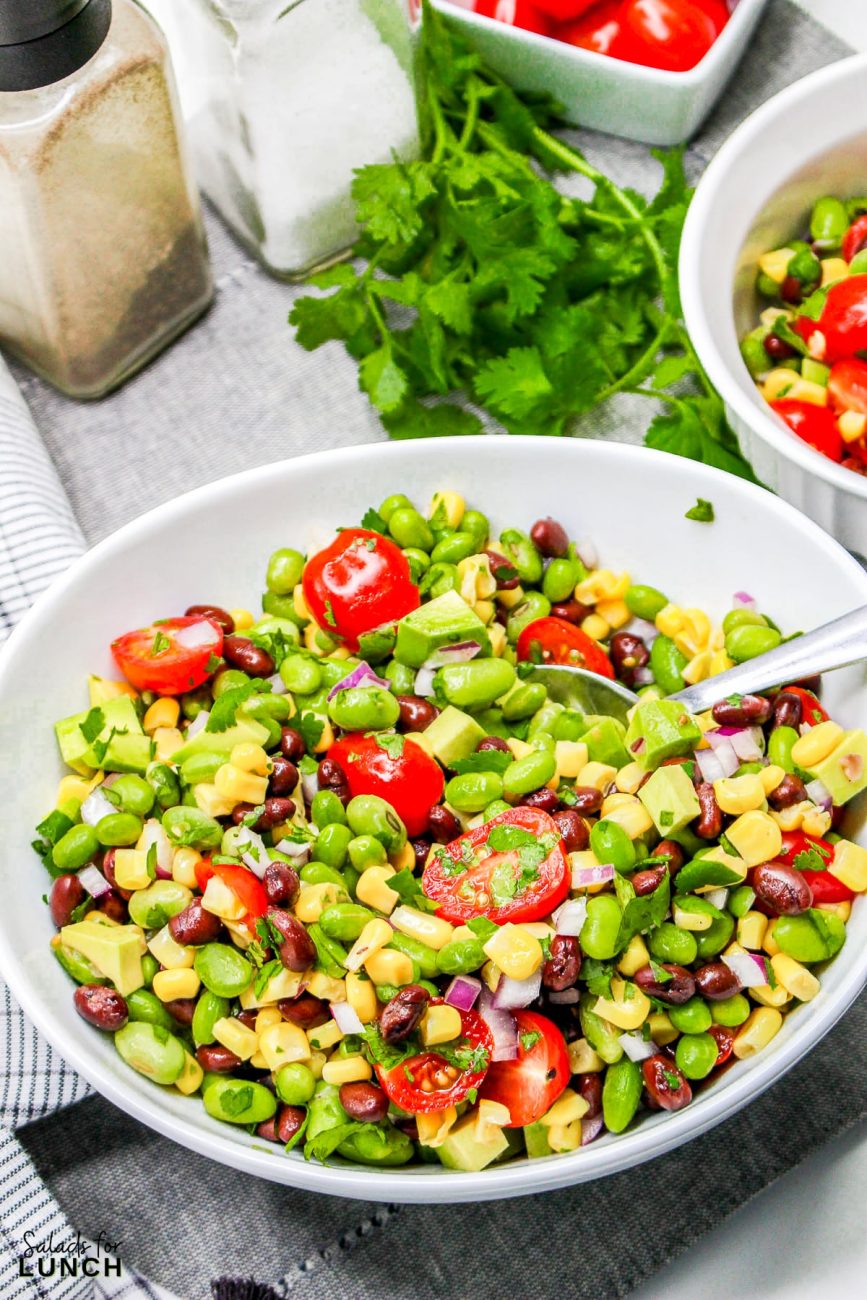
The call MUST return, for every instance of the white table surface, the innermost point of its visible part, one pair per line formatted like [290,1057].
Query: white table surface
[804,1236]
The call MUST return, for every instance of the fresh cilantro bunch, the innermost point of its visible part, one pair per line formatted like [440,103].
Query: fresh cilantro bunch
[479,280]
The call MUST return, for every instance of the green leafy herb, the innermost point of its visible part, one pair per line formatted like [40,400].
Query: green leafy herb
[330,955]
[213,664]
[482,927]
[268,971]
[329,614]
[504,838]
[660,974]
[268,933]
[409,889]
[52,829]
[92,725]
[391,741]
[383,1053]
[813,859]
[225,707]
[465,1056]
[161,643]
[597,975]
[701,512]
[374,522]
[249,819]
[528,1038]
[151,862]
[234,1101]
[490,760]
[311,729]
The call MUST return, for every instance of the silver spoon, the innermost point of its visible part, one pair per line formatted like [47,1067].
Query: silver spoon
[834,645]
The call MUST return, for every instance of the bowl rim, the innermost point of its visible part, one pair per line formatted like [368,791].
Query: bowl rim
[637,73]
[416,1184]
[749,406]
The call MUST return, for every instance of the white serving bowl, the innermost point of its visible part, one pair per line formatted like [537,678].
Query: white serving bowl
[759,190]
[212,544]
[606,94]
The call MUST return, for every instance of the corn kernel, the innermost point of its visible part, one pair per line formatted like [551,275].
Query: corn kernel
[791,818]
[388,966]
[751,930]
[817,822]
[240,932]
[602,584]
[498,639]
[509,599]
[720,663]
[184,867]
[787,383]
[429,929]
[795,978]
[631,816]
[568,1107]
[670,620]
[769,943]
[627,1008]
[583,860]
[756,1032]
[450,506]
[236,786]
[372,889]
[131,868]
[852,425]
[694,632]
[242,618]
[302,609]
[326,740]
[491,1117]
[849,865]
[325,1036]
[595,626]
[756,837]
[698,668]
[833,269]
[190,1077]
[316,1064]
[162,713]
[280,1044]
[520,748]
[312,900]
[582,1058]
[771,776]
[361,996]
[662,1031]
[236,1036]
[168,953]
[739,794]
[220,900]
[635,956]
[346,1069]
[842,910]
[168,740]
[284,984]
[517,952]
[491,975]
[434,1127]
[694,921]
[629,778]
[375,935]
[267,1017]
[816,744]
[615,612]
[440,1024]
[570,756]
[258,1061]
[210,801]
[768,997]
[775,264]
[326,987]
[183,982]
[563,1138]
[76,787]
[598,775]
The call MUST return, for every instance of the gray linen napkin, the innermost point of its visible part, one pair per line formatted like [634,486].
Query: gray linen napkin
[236,392]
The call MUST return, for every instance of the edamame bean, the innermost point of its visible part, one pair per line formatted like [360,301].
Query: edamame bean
[610,843]
[601,927]
[472,791]
[145,1006]
[364,708]
[118,829]
[780,745]
[558,580]
[238,1101]
[544,720]
[569,725]
[190,828]
[829,223]
[152,1051]
[327,810]
[495,808]
[164,783]
[730,1012]
[409,528]
[621,1093]
[330,955]
[195,702]
[477,525]
[743,618]
[695,1055]
[746,642]
[476,685]
[441,578]
[740,900]
[79,967]
[454,548]
[714,939]
[460,956]
[133,794]
[667,665]
[300,675]
[228,680]
[533,606]
[523,555]
[149,968]
[320,873]
[223,969]
[602,1036]
[201,767]
[397,501]
[295,1083]
[423,956]
[284,571]
[524,701]
[367,814]
[75,848]
[210,1008]
[419,563]
[267,708]
[669,943]
[645,602]
[366,851]
[152,908]
[811,936]
[375,1144]
[345,921]
[692,1017]
[528,774]
[332,844]
[282,607]
[401,676]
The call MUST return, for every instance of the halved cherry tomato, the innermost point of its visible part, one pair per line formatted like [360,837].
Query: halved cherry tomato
[247,888]
[844,319]
[529,1085]
[411,781]
[827,888]
[725,1038]
[855,238]
[404,1083]
[155,658]
[471,878]
[600,30]
[824,884]
[517,13]
[814,425]
[847,386]
[812,712]
[554,641]
[671,34]
[358,583]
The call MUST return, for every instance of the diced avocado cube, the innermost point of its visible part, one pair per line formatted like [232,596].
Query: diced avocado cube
[447,620]
[244,731]
[115,950]
[815,372]
[660,729]
[844,772]
[536,1138]
[453,735]
[119,716]
[101,690]
[462,1149]
[604,741]
[128,753]
[670,798]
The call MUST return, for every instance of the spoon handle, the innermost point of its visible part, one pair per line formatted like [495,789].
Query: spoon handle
[833,646]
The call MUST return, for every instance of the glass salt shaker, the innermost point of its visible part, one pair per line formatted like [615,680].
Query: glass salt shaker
[102,250]
[283,100]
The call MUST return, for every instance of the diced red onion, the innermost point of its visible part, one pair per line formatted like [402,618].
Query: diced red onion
[199,722]
[309,785]
[517,993]
[94,881]
[154,834]
[96,806]
[459,652]
[424,682]
[647,631]
[278,686]
[346,1018]
[717,898]
[819,793]
[110,779]
[591,1127]
[749,967]
[746,746]
[299,853]
[587,553]
[642,676]
[743,600]
[636,1047]
[565,998]
[723,750]
[197,634]
[253,852]
[360,676]
[637,745]
[503,1027]
[584,876]
[714,764]
[569,918]
[463,992]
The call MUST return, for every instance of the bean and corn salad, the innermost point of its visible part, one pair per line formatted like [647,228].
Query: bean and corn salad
[808,355]
[344,870]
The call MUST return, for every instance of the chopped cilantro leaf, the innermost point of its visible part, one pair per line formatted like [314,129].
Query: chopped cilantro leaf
[528,1038]
[504,838]
[373,521]
[391,741]
[264,976]
[249,819]
[92,725]
[311,728]
[490,760]
[151,862]
[409,889]
[809,860]
[213,664]
[329,614]
[701,512]
[161,643]
[225,707]
[660,974]
[482,927]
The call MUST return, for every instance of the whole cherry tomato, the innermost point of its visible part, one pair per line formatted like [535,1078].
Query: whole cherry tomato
[517,13]
[404,1083]
[529,1085]
[171,656]
[514,868]
[358,583]
[855,238]
[247,888]
[673,35]
[554,641]
[398,770]
[814,425]
[844,319]
[847,386]
[598,30]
